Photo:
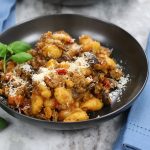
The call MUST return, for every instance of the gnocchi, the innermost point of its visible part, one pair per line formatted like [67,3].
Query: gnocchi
[52,51]
[36,104]
[92,104]
[63,95]
[78,115]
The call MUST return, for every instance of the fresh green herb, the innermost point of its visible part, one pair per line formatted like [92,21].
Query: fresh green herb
[19,46]
[21,57]
[4,64]
[9,49]
[3,123]
[3,50]
[16,51]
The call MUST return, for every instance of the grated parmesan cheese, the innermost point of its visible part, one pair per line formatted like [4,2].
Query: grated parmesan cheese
[114,95]
[78,64]
[26,67]
[15,81]
[40,77]
[43,72]
[123,81]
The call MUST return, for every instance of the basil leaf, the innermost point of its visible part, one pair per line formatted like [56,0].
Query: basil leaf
[3,123]
[3,50]
[21,57]
[19,46]
[9,49]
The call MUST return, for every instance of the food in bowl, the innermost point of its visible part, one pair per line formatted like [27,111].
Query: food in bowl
[64,81]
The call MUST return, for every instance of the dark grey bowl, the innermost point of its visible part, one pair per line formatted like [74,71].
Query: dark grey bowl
[126,48]
[74,2]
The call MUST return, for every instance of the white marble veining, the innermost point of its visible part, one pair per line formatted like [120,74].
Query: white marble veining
[134,17]
[23,136]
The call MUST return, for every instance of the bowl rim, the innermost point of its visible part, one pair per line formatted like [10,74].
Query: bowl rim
[114,113]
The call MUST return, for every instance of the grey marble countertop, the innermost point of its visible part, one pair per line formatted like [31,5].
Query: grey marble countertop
[134,17]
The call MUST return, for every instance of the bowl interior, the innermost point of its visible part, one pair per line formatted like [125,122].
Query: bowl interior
[125,48]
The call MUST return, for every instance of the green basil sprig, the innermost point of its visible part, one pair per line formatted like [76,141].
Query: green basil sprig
[16,51]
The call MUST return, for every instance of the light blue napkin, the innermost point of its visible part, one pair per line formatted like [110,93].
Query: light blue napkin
[7,14]
[135,134]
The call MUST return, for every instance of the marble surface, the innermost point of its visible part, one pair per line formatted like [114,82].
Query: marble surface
[134,17]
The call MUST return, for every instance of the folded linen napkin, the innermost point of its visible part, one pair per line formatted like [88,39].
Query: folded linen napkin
[7,14]
[135,134]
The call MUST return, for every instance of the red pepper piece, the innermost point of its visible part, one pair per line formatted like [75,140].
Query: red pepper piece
[106,83]
[61,71]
